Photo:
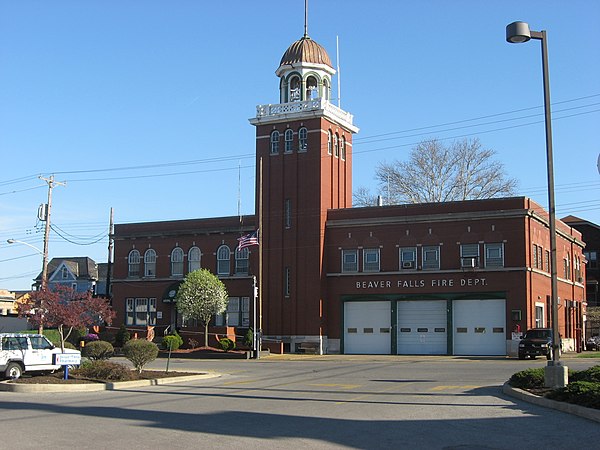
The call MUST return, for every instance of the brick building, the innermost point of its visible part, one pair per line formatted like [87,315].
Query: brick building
[444,278]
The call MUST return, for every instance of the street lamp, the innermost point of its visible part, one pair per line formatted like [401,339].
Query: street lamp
[556,375]
[44,260]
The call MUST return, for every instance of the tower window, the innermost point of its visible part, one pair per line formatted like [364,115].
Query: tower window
[287,282]
[336,146]
[295,89]
[343,148]
[289,138]
[275,142]
[287,211]
[302,139]
[312,90]
[329,141]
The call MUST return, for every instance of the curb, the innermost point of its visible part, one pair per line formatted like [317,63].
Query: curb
[95,387]
[570,408]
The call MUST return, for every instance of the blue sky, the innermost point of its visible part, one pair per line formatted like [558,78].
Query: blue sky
[143,105]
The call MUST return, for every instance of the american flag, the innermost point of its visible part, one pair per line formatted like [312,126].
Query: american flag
[248,240]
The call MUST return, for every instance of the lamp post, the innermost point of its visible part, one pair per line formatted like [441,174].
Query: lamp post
[556,375]
[44,260]
[44,267]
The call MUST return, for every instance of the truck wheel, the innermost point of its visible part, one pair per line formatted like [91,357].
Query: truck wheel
[13,370]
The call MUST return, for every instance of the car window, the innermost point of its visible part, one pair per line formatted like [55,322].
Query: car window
[40,343]
[14,343]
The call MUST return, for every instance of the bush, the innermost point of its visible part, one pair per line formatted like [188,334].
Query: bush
[103,370]
[172,341]
[68,345]
[592,374]
[97,350]
[193,343]
[140,352]
[107,336]
[226,344]
[249,338]
[91,337]
[528,379]
[122,336]
[583,393]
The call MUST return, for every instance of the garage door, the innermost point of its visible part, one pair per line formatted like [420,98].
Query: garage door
[479,327]
[422,327]
[367,328]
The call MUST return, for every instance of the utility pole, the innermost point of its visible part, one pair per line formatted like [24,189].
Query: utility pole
[46,218]
[108,292]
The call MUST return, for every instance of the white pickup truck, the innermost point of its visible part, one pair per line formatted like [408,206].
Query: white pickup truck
[20,353]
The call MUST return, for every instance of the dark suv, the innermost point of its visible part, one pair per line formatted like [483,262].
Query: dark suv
[536,342]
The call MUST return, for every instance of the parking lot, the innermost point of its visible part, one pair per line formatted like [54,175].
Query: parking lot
[314,402]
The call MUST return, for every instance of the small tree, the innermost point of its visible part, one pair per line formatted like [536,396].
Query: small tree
[140,352]
[66,309]
[201,296]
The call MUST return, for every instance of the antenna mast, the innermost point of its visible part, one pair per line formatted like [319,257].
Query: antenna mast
[339,76]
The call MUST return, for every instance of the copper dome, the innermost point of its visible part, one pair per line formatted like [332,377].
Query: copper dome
[305,50]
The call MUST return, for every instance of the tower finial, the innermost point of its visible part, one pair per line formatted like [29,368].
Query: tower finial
[305,18]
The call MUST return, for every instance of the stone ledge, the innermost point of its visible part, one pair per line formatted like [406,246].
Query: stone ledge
[570,408]
[94,387]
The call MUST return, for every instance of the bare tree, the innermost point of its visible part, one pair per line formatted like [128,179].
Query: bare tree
[434,173]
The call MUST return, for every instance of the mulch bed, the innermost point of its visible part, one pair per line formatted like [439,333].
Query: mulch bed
[58,377]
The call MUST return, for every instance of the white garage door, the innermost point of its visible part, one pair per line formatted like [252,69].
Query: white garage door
[367,328]
[422,327]
[479,327]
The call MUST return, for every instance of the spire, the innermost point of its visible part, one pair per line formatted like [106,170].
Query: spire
[306,19]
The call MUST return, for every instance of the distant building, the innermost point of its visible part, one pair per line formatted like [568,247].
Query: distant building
[79,273]
[591,235]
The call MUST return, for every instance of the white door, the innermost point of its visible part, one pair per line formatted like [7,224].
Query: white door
[422,327]
[479,327]
[367,327]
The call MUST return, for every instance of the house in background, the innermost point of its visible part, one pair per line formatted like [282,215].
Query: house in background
[79,273]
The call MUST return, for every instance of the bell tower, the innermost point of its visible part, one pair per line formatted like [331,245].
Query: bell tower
[304,159]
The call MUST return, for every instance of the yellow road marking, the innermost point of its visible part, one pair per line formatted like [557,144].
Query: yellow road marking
[342,386]
[451,387]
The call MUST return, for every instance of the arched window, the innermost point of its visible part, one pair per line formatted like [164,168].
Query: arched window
[274,142]
[223,255]
[241,261]
[312,89]
[336,145]
[177,262]
[302,139]
[194,259]
[326,89]
[150,263]
[329,139]
[343,147]
[134,263]
[289,139]
[295,89]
